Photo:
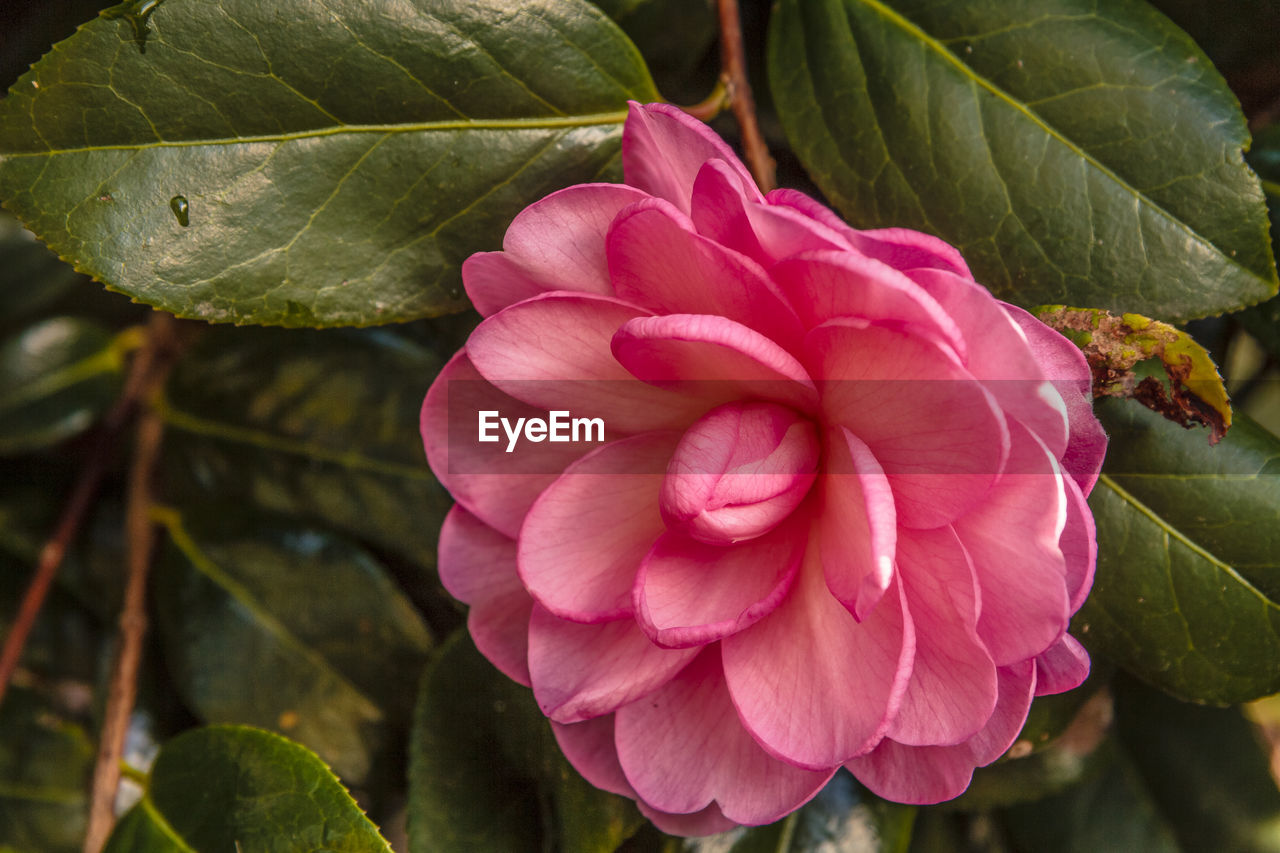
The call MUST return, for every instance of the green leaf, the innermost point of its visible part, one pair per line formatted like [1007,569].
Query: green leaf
[56,378]
[485,772]
[1111,810]
[1075,152]
[286,627]
[1188,577]
[45,765]
[1205,769]
[223,789]
[300,163]
[319,424]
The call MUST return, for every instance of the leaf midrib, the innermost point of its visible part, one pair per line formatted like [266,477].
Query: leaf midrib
[543,123]
[941,49]
[1177,535]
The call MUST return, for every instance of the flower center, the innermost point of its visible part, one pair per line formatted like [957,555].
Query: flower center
[739,471]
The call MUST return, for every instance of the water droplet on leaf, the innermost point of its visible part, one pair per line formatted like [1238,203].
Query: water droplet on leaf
[138,14]
[181,210]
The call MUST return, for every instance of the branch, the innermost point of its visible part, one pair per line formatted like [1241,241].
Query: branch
[734,76]
[123,688]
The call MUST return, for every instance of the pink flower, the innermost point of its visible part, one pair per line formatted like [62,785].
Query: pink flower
[838,517]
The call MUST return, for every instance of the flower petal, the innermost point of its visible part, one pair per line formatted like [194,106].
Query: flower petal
[583,540]
[900,248]
[497,487]
[590,749]
[693,715]
[657,259]
[691,594]
[1012,538]
[709,821]
[584,671]
[934,429]
[814,686]
[826,285]
[553,244]
[553,352]
[1079,545]
[953,685]
[763,232]
[1063,666]
[663,148]
[739,471]
[859,535]
[932,774]
[478,566]
[714,358]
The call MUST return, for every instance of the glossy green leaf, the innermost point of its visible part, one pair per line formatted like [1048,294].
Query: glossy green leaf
[56,378]
[1110,810]
[45,765]
[1188,579]
[286,627]
[1075,152]
[319,424]
[223,789]
[843,816]
[1205,768]
[485,772]
[299,163]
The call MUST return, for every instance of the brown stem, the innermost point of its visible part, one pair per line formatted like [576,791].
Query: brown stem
[744,108]
[123,687]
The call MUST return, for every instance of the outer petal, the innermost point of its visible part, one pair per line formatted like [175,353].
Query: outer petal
[584,538]
[658,260]
[478,566]
[1079,546]
[497,487]
[814,686]
[712,357]
[1001,356]
[953,687]
[690,594]
[553,244]
[934,429]
[1012,539]
[1064,363]
[663,148]
[553,352]
[585,671]
[859,534]
[763,232]
[827,285]
[589,747]
[1063,666]
[931,774]
[692,715]
[709,821]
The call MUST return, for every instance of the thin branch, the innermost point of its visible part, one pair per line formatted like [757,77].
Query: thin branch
[744,108]
[710,107]
[123,687]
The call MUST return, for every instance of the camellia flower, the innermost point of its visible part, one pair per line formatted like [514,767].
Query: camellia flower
[836,516]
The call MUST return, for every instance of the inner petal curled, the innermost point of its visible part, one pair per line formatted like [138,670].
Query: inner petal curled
[739,471]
